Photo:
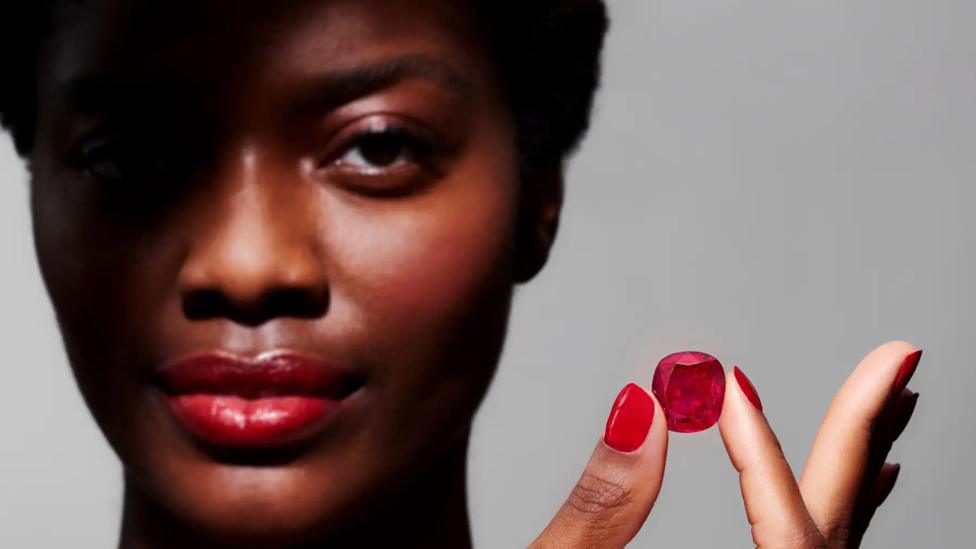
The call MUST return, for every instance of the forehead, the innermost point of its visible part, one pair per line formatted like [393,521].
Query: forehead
[222,48]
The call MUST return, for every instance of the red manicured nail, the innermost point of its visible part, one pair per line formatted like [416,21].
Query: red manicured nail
[630,419]
[747,388]
[906,370]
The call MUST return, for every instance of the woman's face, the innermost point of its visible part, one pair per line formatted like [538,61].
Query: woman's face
[336,180]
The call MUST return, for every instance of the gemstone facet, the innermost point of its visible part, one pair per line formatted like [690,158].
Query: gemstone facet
[691,388]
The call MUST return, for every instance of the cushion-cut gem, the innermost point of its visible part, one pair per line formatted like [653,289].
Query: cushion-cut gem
[691,388]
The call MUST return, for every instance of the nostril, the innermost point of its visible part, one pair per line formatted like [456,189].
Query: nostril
[202,304]
[297,302]
[205,304]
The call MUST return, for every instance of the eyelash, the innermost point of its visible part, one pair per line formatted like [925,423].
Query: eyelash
[405,158]
[148,157]
[415,161]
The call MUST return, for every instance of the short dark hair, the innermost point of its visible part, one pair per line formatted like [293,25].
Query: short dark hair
[547,52]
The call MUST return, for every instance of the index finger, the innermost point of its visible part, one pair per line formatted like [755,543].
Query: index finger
[774,506]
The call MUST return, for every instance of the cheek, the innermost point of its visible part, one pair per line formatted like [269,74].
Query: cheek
[425,284]
[94,267]
[427,260]
[99,273]
[78,257]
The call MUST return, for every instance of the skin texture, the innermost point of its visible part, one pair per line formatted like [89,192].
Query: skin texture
[844,481]
[198,184]
[340,178]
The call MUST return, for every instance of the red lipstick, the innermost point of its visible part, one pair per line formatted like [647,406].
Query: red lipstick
[275,398]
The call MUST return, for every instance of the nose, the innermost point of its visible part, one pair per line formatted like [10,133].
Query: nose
[253,255]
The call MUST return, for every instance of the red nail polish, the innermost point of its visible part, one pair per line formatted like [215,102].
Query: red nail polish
[747,388]
[906,370]
[630,419]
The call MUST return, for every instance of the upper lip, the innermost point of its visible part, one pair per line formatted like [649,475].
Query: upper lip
[271,373]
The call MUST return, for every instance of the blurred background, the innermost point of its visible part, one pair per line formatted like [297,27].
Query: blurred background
[783,184]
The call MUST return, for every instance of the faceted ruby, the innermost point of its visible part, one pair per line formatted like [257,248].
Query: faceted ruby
[691,388]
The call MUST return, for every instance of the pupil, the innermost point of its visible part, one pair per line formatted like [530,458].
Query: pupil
[381,149]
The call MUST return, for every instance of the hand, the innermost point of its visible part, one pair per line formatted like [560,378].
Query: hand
[845,478]
[844,482]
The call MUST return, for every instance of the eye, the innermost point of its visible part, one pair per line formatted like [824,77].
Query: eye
[385,155]
[129,159]
[379,149]
[109,162]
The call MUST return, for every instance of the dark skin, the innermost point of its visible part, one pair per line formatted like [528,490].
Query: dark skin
[337,178]
[341,179]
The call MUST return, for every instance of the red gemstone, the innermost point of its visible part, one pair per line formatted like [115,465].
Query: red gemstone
[690,387]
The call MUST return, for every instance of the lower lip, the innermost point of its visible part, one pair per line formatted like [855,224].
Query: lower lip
[236,421]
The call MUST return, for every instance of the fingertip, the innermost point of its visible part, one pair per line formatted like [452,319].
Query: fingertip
[659,428]
[658,410]
[897,347]
[630,420]
[906,370]
[747,389]
[731,396]
[739,424]
[887,356]
[890,471]
[903,413]
[886,482]
[737,401]
[621,481]
[884,372]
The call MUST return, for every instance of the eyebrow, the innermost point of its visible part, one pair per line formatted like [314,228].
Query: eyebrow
[107,92]
[330,90]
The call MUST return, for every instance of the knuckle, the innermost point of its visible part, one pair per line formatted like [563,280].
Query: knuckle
[594,497]
[838,533]
[775,534]
[857,426]
[799,539]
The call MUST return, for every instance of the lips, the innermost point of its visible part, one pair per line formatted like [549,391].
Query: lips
[276,398]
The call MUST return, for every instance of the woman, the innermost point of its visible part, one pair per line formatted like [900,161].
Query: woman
[281,240]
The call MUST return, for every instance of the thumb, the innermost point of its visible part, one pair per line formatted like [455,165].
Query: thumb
[617,489]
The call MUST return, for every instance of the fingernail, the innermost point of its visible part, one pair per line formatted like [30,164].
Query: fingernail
[903,415]
[630,419]
[895,474]
[906,370]
[747,388]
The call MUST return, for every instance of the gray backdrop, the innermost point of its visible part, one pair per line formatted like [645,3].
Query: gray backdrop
[784,184]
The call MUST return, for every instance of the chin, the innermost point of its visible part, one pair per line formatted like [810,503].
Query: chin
[266,506]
